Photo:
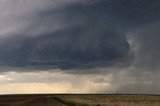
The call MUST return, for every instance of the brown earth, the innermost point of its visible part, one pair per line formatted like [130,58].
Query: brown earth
[113,100]
[79,100]
[28,101]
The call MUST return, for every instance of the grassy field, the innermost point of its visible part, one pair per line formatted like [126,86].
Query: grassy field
[112,100]
[79,100]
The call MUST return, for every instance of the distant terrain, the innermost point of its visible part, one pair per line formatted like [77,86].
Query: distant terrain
[79,100]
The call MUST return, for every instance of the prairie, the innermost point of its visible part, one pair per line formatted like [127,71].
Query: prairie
[113,100]
[79,100]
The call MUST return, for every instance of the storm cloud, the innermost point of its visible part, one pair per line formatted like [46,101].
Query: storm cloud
[71,34]
[102,45]
[84,39]
[146,41]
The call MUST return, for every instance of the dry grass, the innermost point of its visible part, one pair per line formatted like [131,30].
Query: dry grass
[80,100]
[114,100]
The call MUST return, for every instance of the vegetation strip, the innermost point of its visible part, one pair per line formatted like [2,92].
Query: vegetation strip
[68,103]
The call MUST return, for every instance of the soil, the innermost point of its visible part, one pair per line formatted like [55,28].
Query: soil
[28,101]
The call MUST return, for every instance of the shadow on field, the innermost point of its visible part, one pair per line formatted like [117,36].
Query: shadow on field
[69,103]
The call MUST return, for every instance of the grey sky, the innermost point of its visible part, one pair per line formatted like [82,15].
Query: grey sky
[114,41]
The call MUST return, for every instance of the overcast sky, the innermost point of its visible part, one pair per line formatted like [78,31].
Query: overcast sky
[79,46]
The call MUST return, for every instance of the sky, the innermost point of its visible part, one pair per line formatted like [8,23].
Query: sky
[79,46]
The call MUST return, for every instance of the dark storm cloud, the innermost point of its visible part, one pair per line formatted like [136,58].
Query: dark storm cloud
[85,42]
[69,49]
[115,43]
[146,42]
[79,35]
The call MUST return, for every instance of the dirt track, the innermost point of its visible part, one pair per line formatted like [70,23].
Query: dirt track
[28,101]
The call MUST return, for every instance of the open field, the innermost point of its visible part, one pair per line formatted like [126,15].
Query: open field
[79,100]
